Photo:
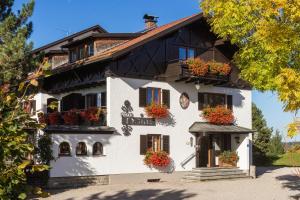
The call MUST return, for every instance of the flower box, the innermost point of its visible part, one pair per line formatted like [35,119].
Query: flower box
[228,159]
[157,111]
[219,115]
[53,118]
[199,67]
[71,117]
[157,159]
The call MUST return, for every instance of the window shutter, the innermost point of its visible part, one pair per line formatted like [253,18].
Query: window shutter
[143,144]
[142,97]
[229,102]
[103,99]
[166,98]
[166,143]
[201,103]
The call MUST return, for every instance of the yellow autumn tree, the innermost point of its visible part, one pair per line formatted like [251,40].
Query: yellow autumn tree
[267,33]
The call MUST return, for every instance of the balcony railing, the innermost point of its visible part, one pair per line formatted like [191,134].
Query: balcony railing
[76,117]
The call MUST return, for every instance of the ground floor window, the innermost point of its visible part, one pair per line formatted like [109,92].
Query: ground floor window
[64,149]
[81,149]
[155,142]
[97,149]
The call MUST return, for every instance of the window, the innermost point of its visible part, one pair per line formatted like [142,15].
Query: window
[64,149]
[155,143]
[97,149]
[90,49]
[73,101]
[156,95]
[91,100]
[186,53]
[103,99]
[81,149]
[81,52]
[73,55]
[212,100]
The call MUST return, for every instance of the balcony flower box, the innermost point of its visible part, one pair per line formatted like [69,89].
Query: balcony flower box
[199,67]
[228,159]
[71,117]
[94,116]
[157,111]
[158,159]
[219,115]
[53,118]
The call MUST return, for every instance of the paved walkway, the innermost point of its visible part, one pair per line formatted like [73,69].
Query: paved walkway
[272,184]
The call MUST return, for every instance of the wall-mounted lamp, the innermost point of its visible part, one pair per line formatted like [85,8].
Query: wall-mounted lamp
[198,85]
[237,139]
[191,141]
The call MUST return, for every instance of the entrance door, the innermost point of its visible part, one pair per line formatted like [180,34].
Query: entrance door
[202,151]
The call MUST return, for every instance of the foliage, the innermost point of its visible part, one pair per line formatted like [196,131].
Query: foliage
[293,129]
[267,34]
[276,145]
[44,151]
[228,157]
[157,159]
[290,159]
[15,85]
[218,115]
[157,111]
[199,67]
[262,136]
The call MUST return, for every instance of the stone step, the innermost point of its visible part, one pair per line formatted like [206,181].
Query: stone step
[216,173]
[215,169]
[195,178]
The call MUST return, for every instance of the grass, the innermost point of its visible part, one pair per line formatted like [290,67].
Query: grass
[287,159]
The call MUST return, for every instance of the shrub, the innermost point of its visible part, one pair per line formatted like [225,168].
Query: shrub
[157,111]
[219,115]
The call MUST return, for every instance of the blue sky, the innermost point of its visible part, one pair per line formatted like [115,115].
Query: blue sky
[54,19]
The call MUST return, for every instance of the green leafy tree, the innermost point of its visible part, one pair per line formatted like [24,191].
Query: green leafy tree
[15,86]
[276,146]
[262,137]
[267,34]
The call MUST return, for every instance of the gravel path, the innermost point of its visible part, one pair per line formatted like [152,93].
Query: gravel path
[272,183]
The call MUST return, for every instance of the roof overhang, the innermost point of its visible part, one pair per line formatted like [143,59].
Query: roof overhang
[203,127]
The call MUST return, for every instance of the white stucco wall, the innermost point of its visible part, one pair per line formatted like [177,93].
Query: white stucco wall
[122,153]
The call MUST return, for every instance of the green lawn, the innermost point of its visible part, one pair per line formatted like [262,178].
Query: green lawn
[287,159]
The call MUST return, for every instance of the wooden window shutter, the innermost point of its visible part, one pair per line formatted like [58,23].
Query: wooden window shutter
[142,97]
[166,143]
[166,98]
[143,144]
[229,102]
[201,102]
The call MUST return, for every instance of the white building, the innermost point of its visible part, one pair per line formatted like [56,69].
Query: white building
[122,73]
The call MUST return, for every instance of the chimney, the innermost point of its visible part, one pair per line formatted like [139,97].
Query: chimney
[150,21]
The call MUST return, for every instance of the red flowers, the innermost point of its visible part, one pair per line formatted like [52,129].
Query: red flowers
[219,115]
[157,111]
[199,67]
[71,117]
[157,159]
[91,114]
[53,118]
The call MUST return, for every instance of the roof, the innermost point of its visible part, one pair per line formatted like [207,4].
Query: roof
[127,46]
[92,28]
[204,127]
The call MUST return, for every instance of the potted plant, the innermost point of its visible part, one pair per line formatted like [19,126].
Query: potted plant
[228,159]
[157,159]
[219,115]
[71,117]
[197,67]
[53,118]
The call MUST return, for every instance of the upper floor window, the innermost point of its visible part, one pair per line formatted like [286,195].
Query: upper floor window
[90,49]
[97,149]
[155,142]
[213,100]
[91,100]
[81,149]
[186,53]
[154,95]
[81,52]
[73,55]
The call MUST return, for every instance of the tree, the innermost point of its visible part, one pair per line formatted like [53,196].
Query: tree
[15,89]
[262,137]
[276,146]
[267,35]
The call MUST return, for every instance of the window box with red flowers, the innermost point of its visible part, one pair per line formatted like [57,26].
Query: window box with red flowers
[53,118]
[94,116]
[158,159]
[71,117]
[199,67]
[157,111]
[219,115]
